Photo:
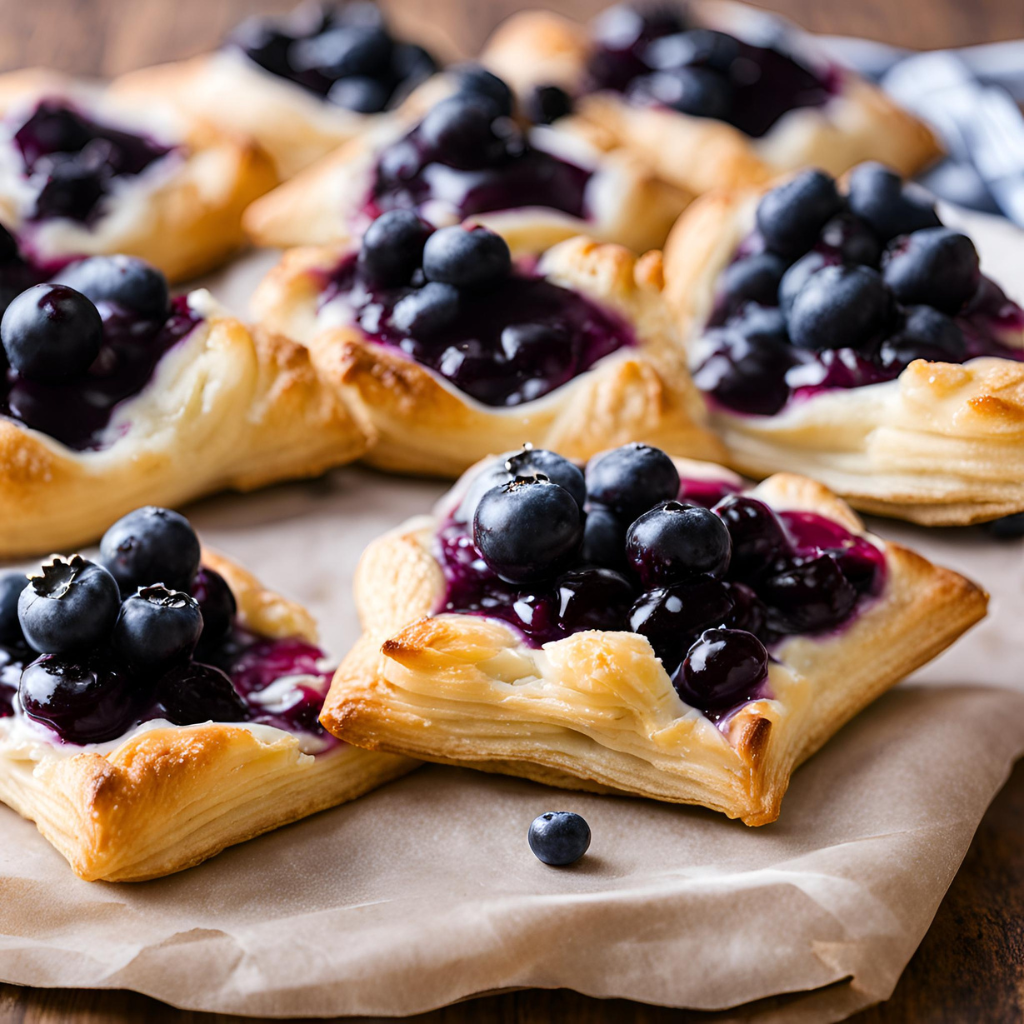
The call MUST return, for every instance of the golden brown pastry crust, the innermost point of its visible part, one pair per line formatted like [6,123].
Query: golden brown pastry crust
[424,425]
[323,205]
[698,154]
[227,408]
[942,445]
[190,218]
[597,710]
[170,797]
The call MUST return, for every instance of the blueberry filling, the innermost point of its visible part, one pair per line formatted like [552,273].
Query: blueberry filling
[842,291]
[452,301]
[89,666]
[69,357]
[712,577]
[466,157]
[343,53]
[656,58]
[73,160]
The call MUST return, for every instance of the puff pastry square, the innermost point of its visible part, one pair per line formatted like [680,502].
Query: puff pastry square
[166,797]
[225,407]
[181,211]
[424,424]
[941,443]
[596,710]
[621,200]
[857,121]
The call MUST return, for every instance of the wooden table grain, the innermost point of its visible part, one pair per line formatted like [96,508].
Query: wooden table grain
[970,966]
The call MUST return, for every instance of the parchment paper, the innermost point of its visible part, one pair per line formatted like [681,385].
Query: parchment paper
[426,892]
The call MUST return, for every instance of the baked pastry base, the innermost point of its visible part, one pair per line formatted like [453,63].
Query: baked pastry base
[422,424]
[596,710]
[169,797]
[226,408]
[942,445]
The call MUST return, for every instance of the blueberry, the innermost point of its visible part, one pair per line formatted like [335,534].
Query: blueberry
[748,611]
[926,334]
[427,310]
[853,239]
[593,599]
[559,838]
[747,374]
[216,604]
[264,43]
[791,216]
[157,628]
[459,131]
[392,247]
[723,668]
[756,534]
[486,478]
[476,81]
[193,693]
[631,479]
[398,163]
[126,280]
[51,333]
[762,325]
[343,51]
[360,93]
[71,606]
[541,349]
[411,63]
[798,275]
[935,267]
[83,700]
[752,279]
[151,545]
[808,596]
[675,542]
[604,539]
[11,586]
[672,617]
[466,257]
[1006,527]
[621,26]
[528,529]
[545,104]
[701,46]
[877,196]
[697,91]
[540,462]
[841,307]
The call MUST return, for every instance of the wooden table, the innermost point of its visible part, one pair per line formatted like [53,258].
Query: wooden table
[970,966]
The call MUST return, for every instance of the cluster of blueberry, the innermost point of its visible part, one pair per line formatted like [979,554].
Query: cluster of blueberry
[470,153]
[72,160]
[624,545]
[652,56]
[104,641]
[74,347]
[343,52]
[452,300]
[844,290]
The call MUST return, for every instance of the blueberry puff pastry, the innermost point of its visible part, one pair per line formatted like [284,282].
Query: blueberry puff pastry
[453,351]
[463,156]
[846,333]
[646,627]
[86,171]
[717,94]
[113,394]
[159,705]
[300,85]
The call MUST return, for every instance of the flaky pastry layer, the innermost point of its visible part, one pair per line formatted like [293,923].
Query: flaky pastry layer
[698,154]
[226,408]
[425,425]
[183,214]
[167,797]
[597,710]
[943,444]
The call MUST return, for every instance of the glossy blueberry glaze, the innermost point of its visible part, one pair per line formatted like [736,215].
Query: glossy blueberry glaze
[410,176]
[77,413]
[469,352]
[73,159]
[764,82]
